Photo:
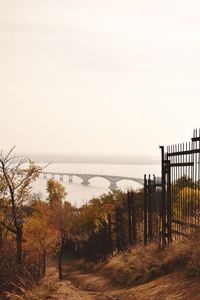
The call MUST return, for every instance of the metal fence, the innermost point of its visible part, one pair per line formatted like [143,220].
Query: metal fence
[166,209]
[181,189]
[152,210]
[136,220]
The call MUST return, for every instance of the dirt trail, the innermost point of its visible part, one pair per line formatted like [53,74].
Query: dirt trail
[66,290]
[79,286]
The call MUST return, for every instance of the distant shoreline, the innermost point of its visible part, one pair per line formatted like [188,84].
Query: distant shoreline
[100,163]
[104,160]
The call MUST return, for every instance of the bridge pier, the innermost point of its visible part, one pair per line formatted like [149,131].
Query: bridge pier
[52,176]
[61,177]
[45,176]
[70,178]
[85,182]
[113,185]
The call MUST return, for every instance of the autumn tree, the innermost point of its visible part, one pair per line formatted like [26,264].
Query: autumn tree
[56,192]
[183,182]
[39,236]
[61,216]
[95,213]
[16,176]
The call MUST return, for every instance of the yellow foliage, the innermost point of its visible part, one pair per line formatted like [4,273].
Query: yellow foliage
[56,191]
[38,234]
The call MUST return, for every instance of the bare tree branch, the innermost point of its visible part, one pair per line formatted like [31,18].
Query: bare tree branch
[11,150]
[8,227]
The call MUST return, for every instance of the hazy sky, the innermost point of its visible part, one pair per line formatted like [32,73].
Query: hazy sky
[98,76]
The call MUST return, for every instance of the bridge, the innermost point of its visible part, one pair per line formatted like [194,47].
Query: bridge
[86,177]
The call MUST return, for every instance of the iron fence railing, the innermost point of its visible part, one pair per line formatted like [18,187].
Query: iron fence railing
[166,209]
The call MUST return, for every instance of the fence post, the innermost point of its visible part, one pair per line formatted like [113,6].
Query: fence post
[145,209]
[163,199]
[117,227]
[169,231]
[122,227]
[149,206]
[129,217]
[133,218]
[110,234]
[156,211]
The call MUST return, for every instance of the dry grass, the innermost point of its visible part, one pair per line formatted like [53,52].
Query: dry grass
[168,287]
[37,292]
[141,273]
[148,273]
[143,264]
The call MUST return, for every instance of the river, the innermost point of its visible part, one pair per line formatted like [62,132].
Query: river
[78,194]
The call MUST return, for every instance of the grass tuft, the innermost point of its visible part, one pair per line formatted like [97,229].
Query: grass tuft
[37,292]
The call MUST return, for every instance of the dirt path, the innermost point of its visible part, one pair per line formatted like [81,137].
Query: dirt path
[66,290]
[80,286]
[174,286]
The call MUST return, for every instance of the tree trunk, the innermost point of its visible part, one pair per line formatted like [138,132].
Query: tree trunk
[44,262]
[60,259]
[1,235]
[19,245]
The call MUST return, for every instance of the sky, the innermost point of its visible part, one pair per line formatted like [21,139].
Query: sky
[109,77]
